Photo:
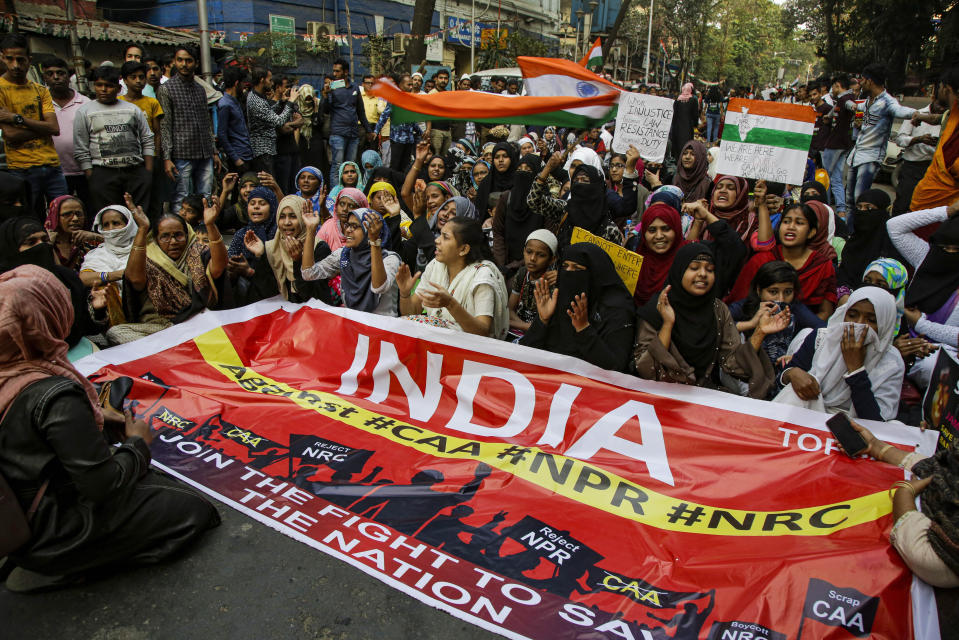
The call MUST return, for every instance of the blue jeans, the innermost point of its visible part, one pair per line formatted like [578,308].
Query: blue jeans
[834,162]
[193,177]
[343,149]
[712,126]
[46,183]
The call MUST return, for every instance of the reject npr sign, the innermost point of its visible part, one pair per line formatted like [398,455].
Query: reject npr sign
[643,121]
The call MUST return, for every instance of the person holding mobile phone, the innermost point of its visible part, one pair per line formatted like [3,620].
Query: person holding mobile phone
[927,539]
[851,365]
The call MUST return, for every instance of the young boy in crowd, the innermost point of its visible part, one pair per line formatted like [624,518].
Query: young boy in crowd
[113,144]
[135,76]
[191,210]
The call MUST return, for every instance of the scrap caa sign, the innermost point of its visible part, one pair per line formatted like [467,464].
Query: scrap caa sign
[528,493]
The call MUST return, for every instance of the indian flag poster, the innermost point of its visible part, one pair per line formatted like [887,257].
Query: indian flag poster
[766,140]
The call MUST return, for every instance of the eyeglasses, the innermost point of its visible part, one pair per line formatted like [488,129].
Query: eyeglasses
[617,165]
[352,226]
[170,237]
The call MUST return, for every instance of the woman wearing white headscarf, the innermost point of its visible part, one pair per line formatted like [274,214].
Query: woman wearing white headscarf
[583,155]
[851,365]
[107,262]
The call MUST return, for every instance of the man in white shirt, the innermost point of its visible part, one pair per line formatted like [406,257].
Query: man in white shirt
[918,144]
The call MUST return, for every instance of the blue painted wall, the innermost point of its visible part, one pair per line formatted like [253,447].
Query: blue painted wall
[253,16]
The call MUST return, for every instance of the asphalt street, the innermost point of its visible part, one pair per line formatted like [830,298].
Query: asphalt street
[243,581]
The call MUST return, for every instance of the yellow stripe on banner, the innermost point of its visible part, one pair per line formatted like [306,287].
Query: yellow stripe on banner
[565,476]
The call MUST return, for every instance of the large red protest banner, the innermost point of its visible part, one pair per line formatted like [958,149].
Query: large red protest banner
[528,493]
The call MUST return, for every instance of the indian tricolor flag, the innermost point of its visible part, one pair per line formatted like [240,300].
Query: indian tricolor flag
[561,110]
[766,140]
[556,77]
[593,57]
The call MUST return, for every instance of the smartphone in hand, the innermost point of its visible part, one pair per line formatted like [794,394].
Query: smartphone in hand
[851,440]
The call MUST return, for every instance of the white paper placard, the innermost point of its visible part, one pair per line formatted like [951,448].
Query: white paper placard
[643,121]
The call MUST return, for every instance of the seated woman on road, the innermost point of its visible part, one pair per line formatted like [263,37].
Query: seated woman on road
[98,508]
[309,185]
[367,271]
[350,178]
[383,200]
[795,235]
[170,275]
[589,314]
[277,266]
[461,288]
[660,237]
[66,223]
[927,540]
[106,263]
[932,300]
[23,241]
[332,232]
[687,335]
[851,365]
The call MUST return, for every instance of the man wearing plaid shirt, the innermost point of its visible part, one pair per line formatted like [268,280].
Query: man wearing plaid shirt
[187,129]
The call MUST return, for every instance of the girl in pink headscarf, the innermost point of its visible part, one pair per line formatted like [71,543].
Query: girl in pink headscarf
[332,232]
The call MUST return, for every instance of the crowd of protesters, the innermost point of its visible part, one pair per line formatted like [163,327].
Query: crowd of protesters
[161,195]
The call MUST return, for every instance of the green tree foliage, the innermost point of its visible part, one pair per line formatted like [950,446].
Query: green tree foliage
[518,43]
[902,34]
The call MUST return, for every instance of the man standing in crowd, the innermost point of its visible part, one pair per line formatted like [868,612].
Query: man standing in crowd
[345,106]
[373,107]
[870,149]
[417,82]
[154,74]
[232,132]
[29,122]
[131,53]
[403,137]
[113,144]
[66,102]
[440,136]
[187,128]
[838,140]
[918,144]
[134,74]
[263,120]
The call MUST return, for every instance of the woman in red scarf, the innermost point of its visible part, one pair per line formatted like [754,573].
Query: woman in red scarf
[661,237]
[800,243]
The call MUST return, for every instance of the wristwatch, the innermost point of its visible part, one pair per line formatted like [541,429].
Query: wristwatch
[376,243]
[18,119]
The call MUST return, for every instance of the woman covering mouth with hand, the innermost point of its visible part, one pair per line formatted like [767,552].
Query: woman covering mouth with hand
[687,335]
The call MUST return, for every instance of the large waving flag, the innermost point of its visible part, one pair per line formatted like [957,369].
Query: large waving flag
[557,77]
[593,57]
[561,110]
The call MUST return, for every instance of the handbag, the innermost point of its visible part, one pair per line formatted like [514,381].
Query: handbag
[15,531]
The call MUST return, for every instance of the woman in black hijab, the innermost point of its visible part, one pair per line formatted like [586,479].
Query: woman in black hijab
[686,331]
[500,177]
[514,220]
[14,197]
[590,314]
[24,241]
[587,207]
[869,240]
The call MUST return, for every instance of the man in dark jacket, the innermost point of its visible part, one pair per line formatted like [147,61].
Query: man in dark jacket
[345,105]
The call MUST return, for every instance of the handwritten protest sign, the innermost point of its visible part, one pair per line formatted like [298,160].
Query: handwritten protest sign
[766,140]
[626,262]
[643,121]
